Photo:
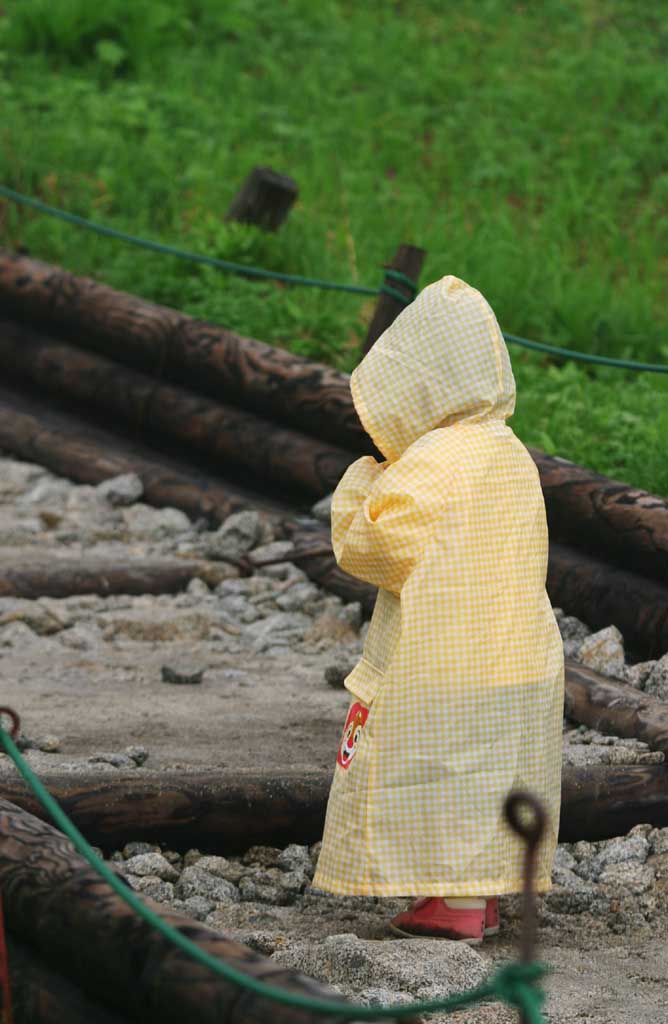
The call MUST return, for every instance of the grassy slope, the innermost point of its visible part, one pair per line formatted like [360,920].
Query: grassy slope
[521,145]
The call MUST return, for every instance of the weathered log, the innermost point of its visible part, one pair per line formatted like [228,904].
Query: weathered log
[73,448]
[621,521]
[265,199]
[601,594]
[64,577]
[408,260]
[214,811]
[614,707]
[625,524]
[227,812]
[227,437]
[84,930]
[269,381]
[601,802]
[41,996]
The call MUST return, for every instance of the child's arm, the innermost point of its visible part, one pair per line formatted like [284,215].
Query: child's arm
[382,514]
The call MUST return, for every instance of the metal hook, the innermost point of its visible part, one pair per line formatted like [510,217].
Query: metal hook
[532,833]
[16,721]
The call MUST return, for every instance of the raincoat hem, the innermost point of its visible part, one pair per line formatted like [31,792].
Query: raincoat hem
[486,886]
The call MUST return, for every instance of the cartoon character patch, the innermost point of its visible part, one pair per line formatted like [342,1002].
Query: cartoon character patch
[352,733]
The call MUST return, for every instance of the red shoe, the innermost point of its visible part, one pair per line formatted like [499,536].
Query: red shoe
[492,916]
[433,918]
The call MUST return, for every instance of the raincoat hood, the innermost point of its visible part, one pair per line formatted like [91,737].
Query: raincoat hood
[443,360]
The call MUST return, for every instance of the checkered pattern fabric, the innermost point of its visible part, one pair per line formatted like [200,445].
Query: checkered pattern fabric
[462,669]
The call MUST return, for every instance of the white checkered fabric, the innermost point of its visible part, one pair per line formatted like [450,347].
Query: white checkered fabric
[462,669]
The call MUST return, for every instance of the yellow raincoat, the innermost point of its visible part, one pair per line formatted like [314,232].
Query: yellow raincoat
[458,696]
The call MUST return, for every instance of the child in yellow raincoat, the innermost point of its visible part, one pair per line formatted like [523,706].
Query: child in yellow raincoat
[458,695]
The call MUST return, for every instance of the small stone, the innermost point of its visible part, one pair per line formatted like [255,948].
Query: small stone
[656,683]
[125,489]
[136,849]
[155,888]
[262,856]
[322,510]
[152,864]
[138,754]
[237,535]
[218,866]
[604,652]
[279,628]
[295,858]
[182,674]
[297,597]
[195,881]
[197,907]
[253,890]
[278,550]
[620,850]
[637,675]
[198,588]
[48,744]
[573,633]
[191,857]
[113,759]
[631,876]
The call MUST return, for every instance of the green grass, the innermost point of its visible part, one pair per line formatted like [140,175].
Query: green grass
[522,145]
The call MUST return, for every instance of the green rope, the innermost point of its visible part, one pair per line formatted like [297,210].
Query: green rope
[313,282]
[512,983]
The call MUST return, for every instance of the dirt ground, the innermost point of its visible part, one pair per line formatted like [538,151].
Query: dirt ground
[93,681]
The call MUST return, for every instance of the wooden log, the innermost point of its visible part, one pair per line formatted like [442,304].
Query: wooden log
[84,930]
[41,996]
[270,381]
[601,802]
[227,812]
[150,409]
[215,811]
[74,448]
[64,577]
[408,259]
[614,707]
[601,594]
[626,525]
[265,199]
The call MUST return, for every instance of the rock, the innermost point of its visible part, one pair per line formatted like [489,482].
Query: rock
[262,856]
[257,890]
[283,571]
[197,907]
[620,850]
[351,614]
[195,881]
[604,652]
[658,840]
[330,627]
[238,534]
[322,510]
[198,588]
[297,597]
[295,858]
[636,675]
[138,754]
[39,616]
[276,551]
[136,849]
[155,888]
[221,867]
[116,760]
[80,637]
[656,683]
[47,490]
[630,876]
[191,857]
[125,489]
[152,864]
[336,674]
[143,521]
[182,674]
[573,633]
[159,628]
[280,628]
[48,744]
[397,971]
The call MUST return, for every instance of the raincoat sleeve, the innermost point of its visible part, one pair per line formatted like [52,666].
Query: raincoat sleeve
[382,514]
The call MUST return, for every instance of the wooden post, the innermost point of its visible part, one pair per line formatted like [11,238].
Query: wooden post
[264,199]
[407,260]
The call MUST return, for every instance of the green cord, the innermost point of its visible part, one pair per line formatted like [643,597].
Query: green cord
[259,272]
[512,983]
